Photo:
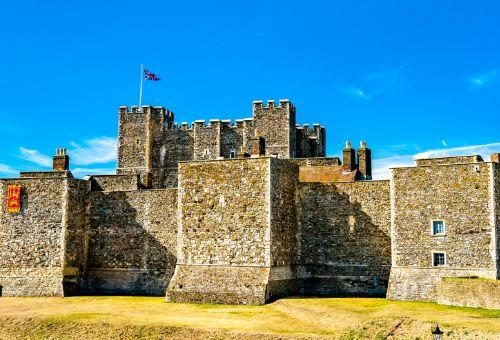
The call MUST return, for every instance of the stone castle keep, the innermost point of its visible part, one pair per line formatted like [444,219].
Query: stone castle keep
[247,213]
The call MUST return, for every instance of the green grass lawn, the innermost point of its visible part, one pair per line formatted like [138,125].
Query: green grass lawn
[295,318]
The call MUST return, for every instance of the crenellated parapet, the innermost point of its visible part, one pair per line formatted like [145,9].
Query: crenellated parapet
[310,141]
[271,104]
[151,143]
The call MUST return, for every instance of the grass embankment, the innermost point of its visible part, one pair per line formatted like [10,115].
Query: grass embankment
[293,318]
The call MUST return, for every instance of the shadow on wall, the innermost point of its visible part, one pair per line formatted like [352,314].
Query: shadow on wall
[131,244]
[346,248]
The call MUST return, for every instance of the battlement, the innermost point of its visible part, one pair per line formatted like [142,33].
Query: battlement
[449,160]
[283,103]
[306,127]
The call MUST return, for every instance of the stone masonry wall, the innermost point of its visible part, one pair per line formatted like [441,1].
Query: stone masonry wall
[114,182]
[459,195]
[206,140]
[132,141]
[231,139]
[469,292]
[345,237]
[496,217]
[448,160]
[285,242]
[224,236]
[277,125]
[133,238]
[44,243]
[76,235]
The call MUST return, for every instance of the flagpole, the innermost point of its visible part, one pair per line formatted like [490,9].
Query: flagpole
[140,89]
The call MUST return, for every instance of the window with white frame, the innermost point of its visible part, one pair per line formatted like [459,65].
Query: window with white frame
[438,259]
[232,153]
[438,227]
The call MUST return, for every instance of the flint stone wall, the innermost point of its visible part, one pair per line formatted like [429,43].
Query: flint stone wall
[114,182]
[448,160]
[496,215]
[277,125]
[132,142]
[345,237]
[229,250]
[133,238]
[462,196]
[469,292]
[41,248]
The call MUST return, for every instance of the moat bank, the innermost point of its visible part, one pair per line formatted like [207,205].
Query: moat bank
[291,318]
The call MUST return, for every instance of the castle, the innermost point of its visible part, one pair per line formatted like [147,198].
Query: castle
[246,213]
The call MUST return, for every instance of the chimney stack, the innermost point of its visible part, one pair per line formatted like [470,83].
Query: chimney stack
[257,146]
[365,161]
[348,157]
[60,161]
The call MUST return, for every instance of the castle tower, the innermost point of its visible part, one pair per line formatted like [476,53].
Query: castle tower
[60,161]
[276,124]
[137,132]
[348,157]
[365,161]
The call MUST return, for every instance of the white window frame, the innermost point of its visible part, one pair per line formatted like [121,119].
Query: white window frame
[432,227]
[445,259]
[232,153]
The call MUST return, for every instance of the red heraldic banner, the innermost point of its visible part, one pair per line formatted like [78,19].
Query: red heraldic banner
[14,198]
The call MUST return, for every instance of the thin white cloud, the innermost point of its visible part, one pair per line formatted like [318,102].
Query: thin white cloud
[374,84]
[357,92]
[381,166]
[34,156]
[100,150]
[81,172]
[483,79]
[444,143]
[484,150]
[93,151]
[6,170]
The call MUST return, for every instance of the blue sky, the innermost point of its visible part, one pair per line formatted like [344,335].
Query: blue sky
[412,78]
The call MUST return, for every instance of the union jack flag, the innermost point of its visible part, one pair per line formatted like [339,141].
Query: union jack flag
[148,75]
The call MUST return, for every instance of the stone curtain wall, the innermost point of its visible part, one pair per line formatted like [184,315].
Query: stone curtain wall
[284,232]
[469,292]
[496,217]
[75,235]
[448,160]
[458,194]
[114,182]
[285,242]
[45,240]
[345,237]
[133,238]
[224,237]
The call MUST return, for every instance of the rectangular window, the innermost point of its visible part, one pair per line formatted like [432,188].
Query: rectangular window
[438,227]
[232,154]
[438,259]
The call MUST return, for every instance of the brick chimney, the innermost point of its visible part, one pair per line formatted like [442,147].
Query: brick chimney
[365,161]
[257,145]
[60,161]
[348,157]
[495,157]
